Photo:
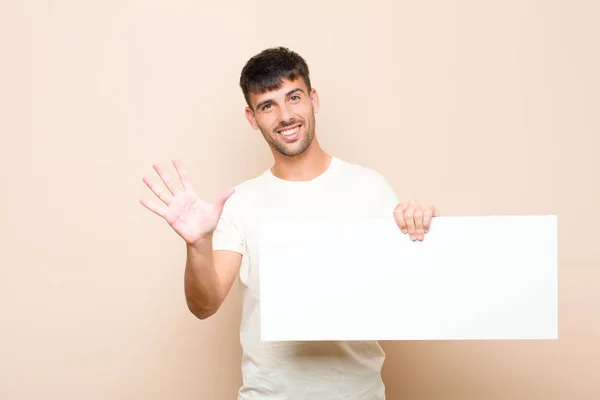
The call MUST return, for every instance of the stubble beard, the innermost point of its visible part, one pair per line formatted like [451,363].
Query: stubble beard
[292,149]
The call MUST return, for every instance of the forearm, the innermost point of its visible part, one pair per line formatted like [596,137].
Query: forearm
[202,285]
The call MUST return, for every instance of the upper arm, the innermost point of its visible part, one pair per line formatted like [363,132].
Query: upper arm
[229,245]
[227,265]
[383,196]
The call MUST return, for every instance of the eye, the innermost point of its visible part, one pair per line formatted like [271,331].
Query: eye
[295,97]
[266,107]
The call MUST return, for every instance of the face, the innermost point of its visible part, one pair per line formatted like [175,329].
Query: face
[286,117]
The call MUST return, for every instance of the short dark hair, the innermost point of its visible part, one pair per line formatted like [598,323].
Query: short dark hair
[266,70]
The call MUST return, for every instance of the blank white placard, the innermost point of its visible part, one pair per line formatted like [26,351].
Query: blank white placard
[489,277]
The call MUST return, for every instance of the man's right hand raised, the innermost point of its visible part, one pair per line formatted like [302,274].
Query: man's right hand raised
[189,216]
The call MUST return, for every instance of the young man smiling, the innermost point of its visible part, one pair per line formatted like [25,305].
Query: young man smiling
[221,237]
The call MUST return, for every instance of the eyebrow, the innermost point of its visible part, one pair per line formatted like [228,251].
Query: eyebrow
[264,102]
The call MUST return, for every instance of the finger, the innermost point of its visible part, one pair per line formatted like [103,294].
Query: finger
[418,217]
[160,193]
[155,209]
[427,215]
[165,178]
[399,216]
[222,198]
[183,174]
[435,212]
[410,222]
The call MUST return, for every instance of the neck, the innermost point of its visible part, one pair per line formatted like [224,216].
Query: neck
[303,167]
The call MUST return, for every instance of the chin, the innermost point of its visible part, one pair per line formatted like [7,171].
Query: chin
[293,150]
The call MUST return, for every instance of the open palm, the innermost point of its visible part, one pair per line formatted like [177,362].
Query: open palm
[192,218]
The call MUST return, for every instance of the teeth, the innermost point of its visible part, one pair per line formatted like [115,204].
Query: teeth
[290,131]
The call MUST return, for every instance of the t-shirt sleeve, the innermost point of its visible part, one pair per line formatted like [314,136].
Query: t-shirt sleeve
[383,199]
[228,234]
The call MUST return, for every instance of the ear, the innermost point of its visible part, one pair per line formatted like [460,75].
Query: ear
[251,118]
[314,98]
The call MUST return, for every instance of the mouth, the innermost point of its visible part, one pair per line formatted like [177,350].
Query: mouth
[290,133]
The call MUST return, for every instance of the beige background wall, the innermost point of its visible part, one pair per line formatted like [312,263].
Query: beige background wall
[481,107]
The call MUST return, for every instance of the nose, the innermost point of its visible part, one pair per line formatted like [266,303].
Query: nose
[285,114]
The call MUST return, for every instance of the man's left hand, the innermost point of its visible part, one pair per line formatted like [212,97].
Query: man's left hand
[414,218]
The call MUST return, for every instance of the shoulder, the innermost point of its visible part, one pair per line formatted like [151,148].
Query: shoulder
[246,191]
[381,195]
[251,186]
[362,173]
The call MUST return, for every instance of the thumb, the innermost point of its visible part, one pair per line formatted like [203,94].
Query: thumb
[222,198]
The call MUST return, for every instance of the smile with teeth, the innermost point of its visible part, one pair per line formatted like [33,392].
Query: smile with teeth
[289,132]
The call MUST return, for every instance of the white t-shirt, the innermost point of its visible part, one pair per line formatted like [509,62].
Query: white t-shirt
[302,370]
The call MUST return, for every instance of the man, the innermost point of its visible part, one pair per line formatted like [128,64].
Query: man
[221,238]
